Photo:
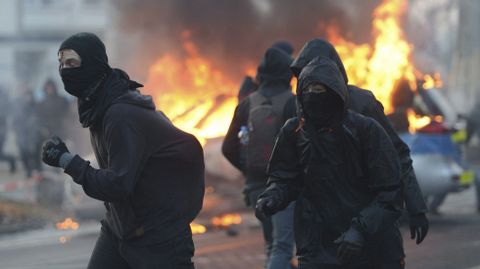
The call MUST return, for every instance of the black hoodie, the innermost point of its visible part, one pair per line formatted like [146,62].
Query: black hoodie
[341,177]
[151,174]
[275,75]
[365,103]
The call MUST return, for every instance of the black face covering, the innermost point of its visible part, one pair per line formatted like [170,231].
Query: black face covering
[82,81]
[322,108]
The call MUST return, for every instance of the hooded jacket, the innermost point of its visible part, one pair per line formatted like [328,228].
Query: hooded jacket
[151,174]
[364,102]
[343,176]
[275,75]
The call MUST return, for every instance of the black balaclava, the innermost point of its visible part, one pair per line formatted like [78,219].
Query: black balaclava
[322,108]
[82,81]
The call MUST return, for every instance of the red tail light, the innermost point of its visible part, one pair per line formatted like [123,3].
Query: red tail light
[456,178]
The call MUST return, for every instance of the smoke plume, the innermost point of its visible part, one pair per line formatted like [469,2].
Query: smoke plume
[233,34]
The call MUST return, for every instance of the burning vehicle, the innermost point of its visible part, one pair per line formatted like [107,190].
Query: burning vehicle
[437,147]
[200,98]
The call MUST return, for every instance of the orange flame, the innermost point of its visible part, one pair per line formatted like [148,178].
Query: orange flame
[67,224]
[434,81]
[64,239]
[197,97]
[200,99]
[226,220]
[379,67]
[416,121]
[198,228]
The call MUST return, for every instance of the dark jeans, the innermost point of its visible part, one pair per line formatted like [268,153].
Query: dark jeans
[283,239]
[267,226]
[397,265]
[110,252]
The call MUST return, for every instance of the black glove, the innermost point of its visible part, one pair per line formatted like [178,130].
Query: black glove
[53,149]
[267,205]
[350,245]
[418,227]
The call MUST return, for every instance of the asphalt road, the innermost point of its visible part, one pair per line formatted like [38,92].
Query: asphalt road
[453,243]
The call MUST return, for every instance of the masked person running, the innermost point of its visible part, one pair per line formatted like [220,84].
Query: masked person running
[363,101]
[151,174]
[343,172]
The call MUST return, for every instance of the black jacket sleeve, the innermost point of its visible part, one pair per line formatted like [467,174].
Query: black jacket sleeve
[412,194]
[125,149]
[290,109]
[383,173]
[231,146]
[285,178]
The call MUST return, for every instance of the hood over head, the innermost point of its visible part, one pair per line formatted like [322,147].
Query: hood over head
[325,72]
[275,66]
[317,48]
[284,46]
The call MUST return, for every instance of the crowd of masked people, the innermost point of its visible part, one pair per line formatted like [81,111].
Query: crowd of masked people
[325,171]
[31,120]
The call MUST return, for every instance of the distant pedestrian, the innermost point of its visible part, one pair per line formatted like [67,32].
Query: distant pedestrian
[27,131]
[5,108]
[53,111]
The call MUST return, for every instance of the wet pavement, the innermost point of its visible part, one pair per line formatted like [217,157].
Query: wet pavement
[453,243]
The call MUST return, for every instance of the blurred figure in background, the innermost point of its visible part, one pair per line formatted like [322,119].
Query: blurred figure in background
[53,111]
[402,100]
[252,133]
[473,129]
[27,131]
[4,113]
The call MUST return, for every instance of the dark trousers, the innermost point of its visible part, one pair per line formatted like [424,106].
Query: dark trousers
[330,266]
[315,265]
[110,252]
[31,160]
[267,226]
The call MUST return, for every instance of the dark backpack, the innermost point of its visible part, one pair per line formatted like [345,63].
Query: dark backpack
[265,119]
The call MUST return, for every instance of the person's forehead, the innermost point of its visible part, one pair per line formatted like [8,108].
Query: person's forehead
[66,54]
